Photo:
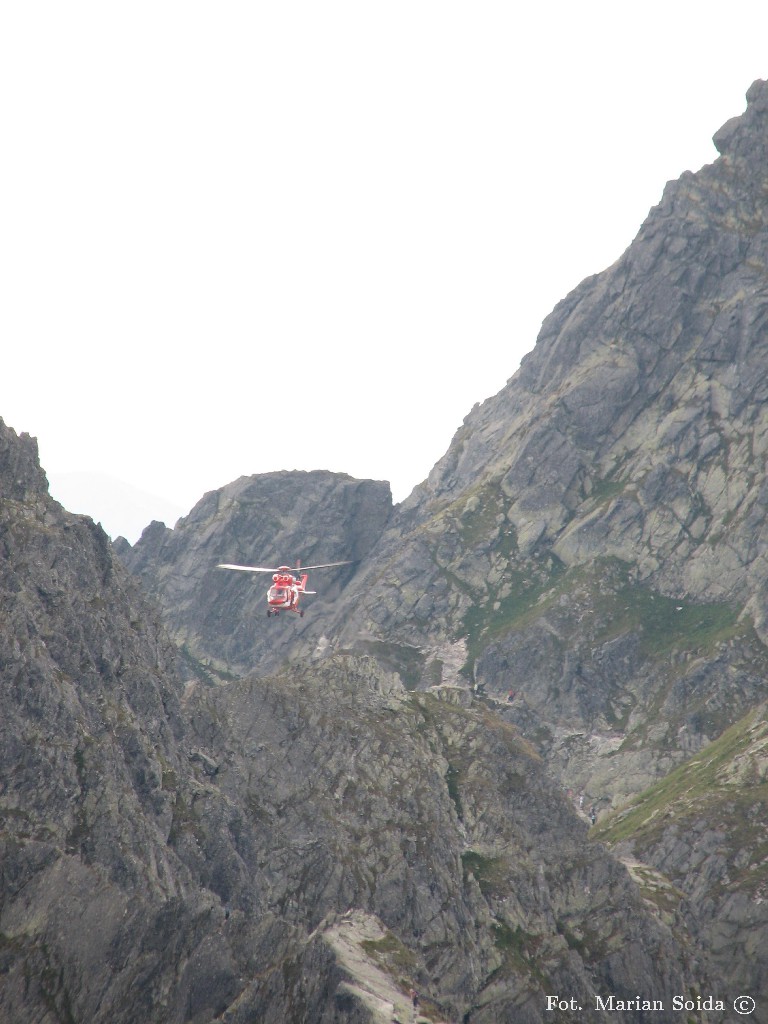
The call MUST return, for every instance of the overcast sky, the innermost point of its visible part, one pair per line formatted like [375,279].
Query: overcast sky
[238,237]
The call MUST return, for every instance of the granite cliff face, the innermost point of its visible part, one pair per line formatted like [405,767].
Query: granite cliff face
[701,834]
[595,536]
[90,735]
[267,520]
[435,820]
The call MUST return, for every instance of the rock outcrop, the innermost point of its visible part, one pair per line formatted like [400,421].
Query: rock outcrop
[92,897]
[218,618]
[700,835]
[440,821]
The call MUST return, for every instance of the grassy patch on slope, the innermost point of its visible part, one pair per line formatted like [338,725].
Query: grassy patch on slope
[612,604]
[528,588]
[714,785]
[666,623]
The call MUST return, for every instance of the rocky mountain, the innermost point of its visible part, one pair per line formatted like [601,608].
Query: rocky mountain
[594,540]
[90,733]
[298,847]
[226,818]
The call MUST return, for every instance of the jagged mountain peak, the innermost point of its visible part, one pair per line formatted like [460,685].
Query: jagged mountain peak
[620,337]
[20,472]
[744,137]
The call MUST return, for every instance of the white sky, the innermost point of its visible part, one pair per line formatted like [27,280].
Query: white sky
[244,236]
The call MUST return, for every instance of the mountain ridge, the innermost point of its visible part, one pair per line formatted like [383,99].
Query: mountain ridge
[593,541]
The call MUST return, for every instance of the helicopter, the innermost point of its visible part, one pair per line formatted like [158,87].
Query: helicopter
[286,587]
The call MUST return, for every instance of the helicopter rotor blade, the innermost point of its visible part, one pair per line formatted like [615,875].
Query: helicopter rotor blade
[262,568]
[245,568]
[328,565]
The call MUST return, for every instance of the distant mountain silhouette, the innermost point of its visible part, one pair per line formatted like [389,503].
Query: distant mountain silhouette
[122,509]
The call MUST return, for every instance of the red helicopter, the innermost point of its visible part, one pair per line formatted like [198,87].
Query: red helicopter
[284,593]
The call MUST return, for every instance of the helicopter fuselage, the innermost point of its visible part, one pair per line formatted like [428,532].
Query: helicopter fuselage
[286,588]
[284,593]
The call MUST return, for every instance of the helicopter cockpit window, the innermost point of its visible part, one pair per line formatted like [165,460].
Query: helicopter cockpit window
[278,593]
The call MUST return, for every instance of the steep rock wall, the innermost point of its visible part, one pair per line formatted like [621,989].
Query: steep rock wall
[272,519]
[617,484]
